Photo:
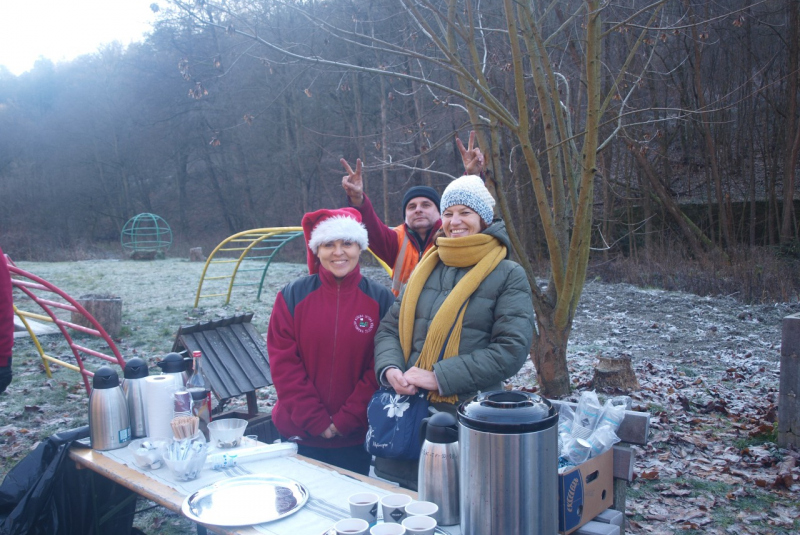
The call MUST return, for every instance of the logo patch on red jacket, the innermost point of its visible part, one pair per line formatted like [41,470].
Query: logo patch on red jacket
[364,324]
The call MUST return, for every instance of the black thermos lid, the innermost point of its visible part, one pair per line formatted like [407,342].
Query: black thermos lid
[105,377]
[441,428]
[172,363]
[136,368]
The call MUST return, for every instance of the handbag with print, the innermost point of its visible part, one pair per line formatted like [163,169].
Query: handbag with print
[394,424]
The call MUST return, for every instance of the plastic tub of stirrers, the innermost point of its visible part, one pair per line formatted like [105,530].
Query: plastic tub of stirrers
[186,453]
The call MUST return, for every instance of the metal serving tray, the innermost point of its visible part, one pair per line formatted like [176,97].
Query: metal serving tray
[245,500]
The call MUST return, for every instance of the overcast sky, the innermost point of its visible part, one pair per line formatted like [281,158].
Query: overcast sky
[65,29]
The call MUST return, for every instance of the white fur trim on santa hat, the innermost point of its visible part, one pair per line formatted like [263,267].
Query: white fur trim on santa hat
[338,228]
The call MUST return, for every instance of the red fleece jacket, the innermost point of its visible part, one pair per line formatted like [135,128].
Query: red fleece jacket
[6,312]
[321,355]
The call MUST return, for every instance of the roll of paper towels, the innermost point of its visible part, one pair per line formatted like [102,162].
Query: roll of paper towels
[159,405]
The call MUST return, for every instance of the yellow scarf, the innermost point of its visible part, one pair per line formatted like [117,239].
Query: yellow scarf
[481,251]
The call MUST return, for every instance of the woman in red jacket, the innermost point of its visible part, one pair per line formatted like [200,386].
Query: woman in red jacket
[320,344]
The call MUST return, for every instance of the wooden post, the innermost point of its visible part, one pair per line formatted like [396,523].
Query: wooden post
[789,390]
[106,309]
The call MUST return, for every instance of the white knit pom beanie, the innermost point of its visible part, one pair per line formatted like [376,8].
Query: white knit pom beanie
[469,190]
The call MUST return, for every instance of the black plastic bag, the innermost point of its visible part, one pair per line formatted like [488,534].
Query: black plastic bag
[46,494]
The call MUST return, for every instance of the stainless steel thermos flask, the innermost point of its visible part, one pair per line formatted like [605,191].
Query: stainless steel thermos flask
[133,388]
[176,367]
[437,478]
[109,424]
[509,464]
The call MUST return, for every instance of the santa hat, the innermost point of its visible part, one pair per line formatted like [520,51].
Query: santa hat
[324,226]
[470,190]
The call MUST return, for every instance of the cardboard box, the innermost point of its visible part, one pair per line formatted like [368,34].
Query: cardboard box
[585,491]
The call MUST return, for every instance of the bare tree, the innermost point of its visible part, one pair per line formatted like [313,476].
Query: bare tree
[553,113]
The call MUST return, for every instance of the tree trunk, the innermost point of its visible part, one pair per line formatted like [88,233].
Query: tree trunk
[359,124]
[689,232]
[106,309]
[181,179]
[384,148]
[615,375]
[217,188]
[549,356]
[710,146]
[792,134]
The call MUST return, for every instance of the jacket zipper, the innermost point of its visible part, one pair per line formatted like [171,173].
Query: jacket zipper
[335,340]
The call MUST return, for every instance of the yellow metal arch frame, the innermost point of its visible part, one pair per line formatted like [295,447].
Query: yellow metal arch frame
[255,244]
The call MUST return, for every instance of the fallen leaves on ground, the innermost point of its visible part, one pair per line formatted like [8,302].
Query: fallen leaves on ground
[708,370]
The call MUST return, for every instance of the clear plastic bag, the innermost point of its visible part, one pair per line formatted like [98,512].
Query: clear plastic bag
[602,440]
[566,416]
[576,450]
[612,415]
[587,413]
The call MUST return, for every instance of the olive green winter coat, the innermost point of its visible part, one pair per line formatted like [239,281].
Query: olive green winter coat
[496,335]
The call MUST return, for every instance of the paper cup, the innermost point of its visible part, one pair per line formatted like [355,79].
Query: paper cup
[351,526]
[394,507]
[364,505]
[422,508]
[387,529]
[419,525]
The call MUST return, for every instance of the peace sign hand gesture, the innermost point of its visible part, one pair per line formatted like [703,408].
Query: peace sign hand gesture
[353,182]
[471,157]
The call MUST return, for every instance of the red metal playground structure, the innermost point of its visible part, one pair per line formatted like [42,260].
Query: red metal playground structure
[51,300]
[242,259]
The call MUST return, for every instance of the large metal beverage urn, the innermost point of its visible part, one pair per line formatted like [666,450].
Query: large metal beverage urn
[437,477]
[133,388]
[109,424]
[508,464]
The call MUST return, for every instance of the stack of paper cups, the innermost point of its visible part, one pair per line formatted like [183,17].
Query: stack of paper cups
[159,405]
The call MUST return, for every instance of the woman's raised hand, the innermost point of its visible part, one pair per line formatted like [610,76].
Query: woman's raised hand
[353,182]
[471,156]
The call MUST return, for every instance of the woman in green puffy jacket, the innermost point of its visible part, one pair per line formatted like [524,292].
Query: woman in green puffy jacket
[464,322]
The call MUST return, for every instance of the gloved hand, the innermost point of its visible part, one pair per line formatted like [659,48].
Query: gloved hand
[5,376]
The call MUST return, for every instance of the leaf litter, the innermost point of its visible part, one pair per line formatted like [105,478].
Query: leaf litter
[708,370]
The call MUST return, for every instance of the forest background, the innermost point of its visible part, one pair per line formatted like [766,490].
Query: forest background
[217,134]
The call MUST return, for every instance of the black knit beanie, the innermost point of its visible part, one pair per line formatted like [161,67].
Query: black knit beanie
[420,191]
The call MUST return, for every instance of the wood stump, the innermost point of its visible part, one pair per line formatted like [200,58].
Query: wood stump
[143,255]
[106,309]
[789,389]
[615,374]
[196,255]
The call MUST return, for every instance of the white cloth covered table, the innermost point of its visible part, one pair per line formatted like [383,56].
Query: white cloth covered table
[328,490]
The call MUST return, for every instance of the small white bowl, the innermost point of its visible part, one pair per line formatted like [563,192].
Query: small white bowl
[226,433]
[148,453]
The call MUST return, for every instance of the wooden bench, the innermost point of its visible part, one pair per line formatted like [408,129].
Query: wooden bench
[634,430]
